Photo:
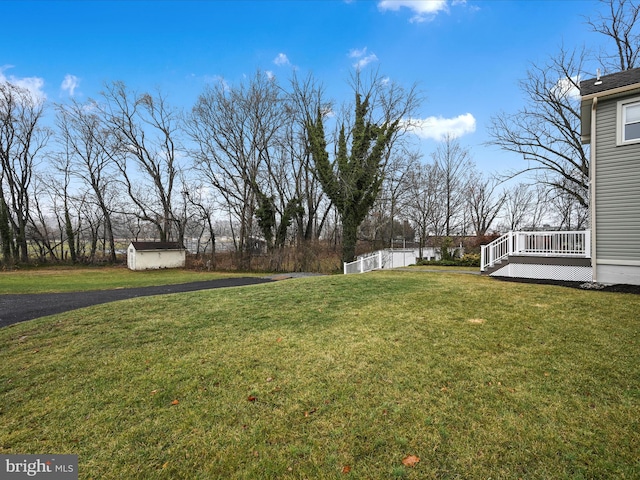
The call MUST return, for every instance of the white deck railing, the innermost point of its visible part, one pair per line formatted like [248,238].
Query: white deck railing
[364,264]
[557,244]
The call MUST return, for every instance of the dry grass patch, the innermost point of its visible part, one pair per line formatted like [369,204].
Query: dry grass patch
[476,321]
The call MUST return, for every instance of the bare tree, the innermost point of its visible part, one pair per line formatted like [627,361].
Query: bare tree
[144,131]
[546,131]
[304,98]
[525,207]
[234,130]
[566,212]
[454,165]
[424,206]
[86,142]
[619,23]
[394,194]
[484,202]
[22,139]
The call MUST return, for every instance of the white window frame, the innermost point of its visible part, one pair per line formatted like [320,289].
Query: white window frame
[622,104]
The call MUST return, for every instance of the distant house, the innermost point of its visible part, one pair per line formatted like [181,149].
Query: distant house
[610,123]
[154,255]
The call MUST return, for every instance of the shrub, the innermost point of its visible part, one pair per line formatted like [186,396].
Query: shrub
[469,260]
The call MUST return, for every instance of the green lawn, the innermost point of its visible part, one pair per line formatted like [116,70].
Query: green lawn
[70,279]
[310,378]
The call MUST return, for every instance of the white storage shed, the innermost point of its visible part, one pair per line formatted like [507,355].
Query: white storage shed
[153,255]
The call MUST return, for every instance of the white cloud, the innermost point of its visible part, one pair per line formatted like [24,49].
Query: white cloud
[355,53]
[566,88]
[363,58]
[69,84]
[32,84]
[423,9]
[363,62]
[281,60]
[270,75]
[436,128]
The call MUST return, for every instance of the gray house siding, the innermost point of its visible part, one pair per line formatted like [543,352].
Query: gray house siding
[617,206]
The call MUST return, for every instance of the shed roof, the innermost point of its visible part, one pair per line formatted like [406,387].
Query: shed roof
[157,246]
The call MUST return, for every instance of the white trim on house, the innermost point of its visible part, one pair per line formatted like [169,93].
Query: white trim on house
[613,91]
[592,189]
[621,122]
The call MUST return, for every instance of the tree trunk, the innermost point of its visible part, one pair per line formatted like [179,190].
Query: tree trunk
[349,239]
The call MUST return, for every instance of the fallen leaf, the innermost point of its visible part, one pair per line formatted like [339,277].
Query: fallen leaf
[346,469]
[251,398]
[279,339]
[165,465]
[410,461]
[269,379]
[175,402]
[153,392]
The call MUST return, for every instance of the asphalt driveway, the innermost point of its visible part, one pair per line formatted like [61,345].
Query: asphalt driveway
[18,308]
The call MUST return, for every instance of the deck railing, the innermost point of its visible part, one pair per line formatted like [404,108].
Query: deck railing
[557,244]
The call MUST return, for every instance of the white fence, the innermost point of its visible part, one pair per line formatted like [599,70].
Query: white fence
[391,258]
[365,263]
[556,244]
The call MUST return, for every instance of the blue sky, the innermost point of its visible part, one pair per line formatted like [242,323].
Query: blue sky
[465,56]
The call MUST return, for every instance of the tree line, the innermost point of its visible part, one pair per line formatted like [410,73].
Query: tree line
[266,167]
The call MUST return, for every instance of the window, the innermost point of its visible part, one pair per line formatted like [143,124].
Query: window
[629,121]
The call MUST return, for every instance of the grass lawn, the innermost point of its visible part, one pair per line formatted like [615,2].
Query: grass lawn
[77,279]
[334,377]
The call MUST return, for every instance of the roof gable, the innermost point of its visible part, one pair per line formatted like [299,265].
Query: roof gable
[157,246]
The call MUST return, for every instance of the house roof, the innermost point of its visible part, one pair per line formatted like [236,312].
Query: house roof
[626,82]
[609,82]
[157,246]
